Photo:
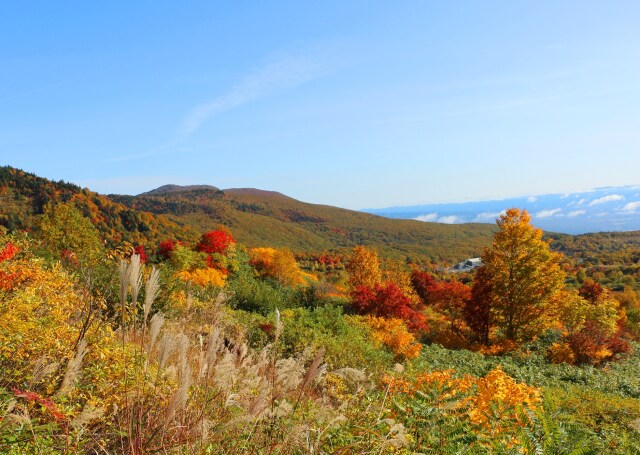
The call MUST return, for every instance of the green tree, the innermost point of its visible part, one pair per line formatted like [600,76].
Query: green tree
[64,231]
[520,278]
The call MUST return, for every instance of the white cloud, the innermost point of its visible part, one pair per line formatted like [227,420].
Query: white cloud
[285,71]
[605,199]
[576,213]
[451,219]
[487,216]
[427,217]
[548,213]
[631,207]
[434,218]
[581,201]
[532,199]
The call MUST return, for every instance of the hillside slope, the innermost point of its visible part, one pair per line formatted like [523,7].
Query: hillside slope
[267,218]
[259,218]
[24,195]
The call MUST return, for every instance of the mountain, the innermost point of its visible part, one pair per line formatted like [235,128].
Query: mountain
[267,218]
[598,210]
[256,218]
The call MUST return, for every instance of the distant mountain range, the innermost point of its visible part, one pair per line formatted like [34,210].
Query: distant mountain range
[599,210]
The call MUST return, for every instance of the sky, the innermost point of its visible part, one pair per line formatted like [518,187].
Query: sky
[358,104]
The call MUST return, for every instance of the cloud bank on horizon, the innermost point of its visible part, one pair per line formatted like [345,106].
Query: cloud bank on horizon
[602,209]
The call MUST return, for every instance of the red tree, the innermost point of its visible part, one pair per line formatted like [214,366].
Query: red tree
[8,252]
[450,298]
[217,241]
[166,247]
[422,283]
[388,301]
[139,250]
[477,310]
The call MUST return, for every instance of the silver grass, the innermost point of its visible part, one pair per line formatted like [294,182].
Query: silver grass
[232,401]
[202,357]
[289,374]
[397,437]
[181,395]
[123,273]
[284,408]
[314,371]
[225,372]
[215,345]
[88,414]
[156,324]
[259,406]
[42,369]
[183,347]
[135,278]
[165,349]
[351,375]
[242,352]
[73,369]
[152,286]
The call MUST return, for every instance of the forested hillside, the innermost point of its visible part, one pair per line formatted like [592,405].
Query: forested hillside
[257,218]
[24,195]
[266,218]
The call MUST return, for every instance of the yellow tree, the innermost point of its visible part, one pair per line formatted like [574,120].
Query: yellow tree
[364,268]
[520,279]
[278,264]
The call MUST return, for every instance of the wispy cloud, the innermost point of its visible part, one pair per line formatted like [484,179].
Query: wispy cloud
[279,72]
[605,199]
[487,216]
[576,213]
[451,219]
[532,199]
[631,207]
[548,213]
[427,217]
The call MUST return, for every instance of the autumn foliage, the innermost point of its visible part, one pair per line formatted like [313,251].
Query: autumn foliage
[217,241]
[495,405]
[278,264]
[519,280]
[364,268]
[166,247]
[388,301]
[393,333]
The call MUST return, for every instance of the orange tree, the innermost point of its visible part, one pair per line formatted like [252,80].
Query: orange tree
[518,281]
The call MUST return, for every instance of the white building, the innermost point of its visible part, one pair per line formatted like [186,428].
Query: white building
[466,265]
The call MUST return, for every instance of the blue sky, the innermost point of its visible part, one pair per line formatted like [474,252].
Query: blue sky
[355,104]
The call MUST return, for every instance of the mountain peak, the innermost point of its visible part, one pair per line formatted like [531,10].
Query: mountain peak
[254,192]
[170,188]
